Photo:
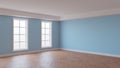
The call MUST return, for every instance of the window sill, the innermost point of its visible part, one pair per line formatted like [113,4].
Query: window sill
[20,50]
[45,47]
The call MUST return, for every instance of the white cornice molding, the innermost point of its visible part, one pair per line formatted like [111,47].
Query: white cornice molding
[73,16]
[92,14]
[27,14]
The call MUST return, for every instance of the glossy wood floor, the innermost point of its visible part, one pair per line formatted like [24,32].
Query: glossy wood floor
[59,59]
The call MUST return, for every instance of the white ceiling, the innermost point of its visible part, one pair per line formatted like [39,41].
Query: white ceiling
[66,9]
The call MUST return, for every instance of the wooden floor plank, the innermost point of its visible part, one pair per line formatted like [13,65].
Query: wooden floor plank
[59,59]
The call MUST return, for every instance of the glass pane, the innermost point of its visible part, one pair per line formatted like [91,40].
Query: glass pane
[16,37]
[16,46]
[43,31]
[16,23]
[48,31]
[43,44]
[22,38]
[47,37]
[16,30]
[43,37]
[47,25]
[48,43]
[22,31]
[23,45]
[43,25]
[22,23]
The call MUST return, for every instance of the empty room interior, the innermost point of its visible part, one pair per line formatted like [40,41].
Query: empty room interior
[59,33]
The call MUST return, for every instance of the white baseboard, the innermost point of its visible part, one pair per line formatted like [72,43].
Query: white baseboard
[96,53]
[27,52]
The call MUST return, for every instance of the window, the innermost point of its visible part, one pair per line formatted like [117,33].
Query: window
[20,28]
[46,36]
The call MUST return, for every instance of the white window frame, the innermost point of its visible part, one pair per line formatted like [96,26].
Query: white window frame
[26,28]
[50,40]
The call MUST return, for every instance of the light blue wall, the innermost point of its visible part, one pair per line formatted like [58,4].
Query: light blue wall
[56,34]
[100,34]
[5,34]
[33,36]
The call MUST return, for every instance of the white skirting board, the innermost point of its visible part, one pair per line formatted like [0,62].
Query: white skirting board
[27,52]
[96,53]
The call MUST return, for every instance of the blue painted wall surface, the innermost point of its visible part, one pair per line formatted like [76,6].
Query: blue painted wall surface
[34,43]
[100,34]
[34,34]
[5,34]
[56,34]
